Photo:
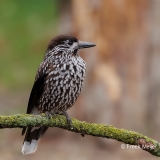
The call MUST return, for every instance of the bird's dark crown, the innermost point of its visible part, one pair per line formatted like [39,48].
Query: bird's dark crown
[60,40]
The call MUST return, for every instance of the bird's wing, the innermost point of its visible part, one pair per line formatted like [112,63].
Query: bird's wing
[37,89]
[36,92]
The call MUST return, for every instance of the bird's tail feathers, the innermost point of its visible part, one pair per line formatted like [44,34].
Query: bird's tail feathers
[32,138]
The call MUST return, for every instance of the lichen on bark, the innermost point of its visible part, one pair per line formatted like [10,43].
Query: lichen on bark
[93,129]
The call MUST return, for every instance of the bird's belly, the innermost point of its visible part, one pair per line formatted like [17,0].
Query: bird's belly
[61,94]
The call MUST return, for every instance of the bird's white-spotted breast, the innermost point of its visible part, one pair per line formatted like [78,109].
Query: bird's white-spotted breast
[64,82]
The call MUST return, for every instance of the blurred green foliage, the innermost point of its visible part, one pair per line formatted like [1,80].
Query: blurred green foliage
[25,29]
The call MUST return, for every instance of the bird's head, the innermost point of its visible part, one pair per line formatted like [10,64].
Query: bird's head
[66,44]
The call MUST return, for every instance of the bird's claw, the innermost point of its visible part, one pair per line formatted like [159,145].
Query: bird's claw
[50,114]
[69,121]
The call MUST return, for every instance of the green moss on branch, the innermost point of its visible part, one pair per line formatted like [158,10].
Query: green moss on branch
[98,130]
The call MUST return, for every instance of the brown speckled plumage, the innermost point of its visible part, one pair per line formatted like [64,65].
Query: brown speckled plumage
[57,85]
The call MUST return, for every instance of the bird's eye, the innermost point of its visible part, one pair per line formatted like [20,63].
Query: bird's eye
[70,42]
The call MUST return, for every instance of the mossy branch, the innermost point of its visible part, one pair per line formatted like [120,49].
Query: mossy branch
[98,130]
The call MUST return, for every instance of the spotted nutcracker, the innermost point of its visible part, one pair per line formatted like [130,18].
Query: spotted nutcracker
[58,83]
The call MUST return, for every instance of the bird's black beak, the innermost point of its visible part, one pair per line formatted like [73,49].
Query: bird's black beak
[82,44]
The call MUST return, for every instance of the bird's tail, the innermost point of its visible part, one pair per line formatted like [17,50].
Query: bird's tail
[31,139]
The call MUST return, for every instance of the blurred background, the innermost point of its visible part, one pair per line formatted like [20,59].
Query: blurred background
[122,85]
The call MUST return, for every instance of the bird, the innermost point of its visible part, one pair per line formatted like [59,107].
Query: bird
[58,83]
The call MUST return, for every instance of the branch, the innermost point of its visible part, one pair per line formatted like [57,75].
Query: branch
[98,130]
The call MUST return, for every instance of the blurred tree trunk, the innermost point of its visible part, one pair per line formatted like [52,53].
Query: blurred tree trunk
[153,66]
[117,73]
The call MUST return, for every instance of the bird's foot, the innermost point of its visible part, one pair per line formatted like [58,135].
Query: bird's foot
[69,121]
[50,114]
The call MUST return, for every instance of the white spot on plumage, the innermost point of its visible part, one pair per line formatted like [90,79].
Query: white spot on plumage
[64,66]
